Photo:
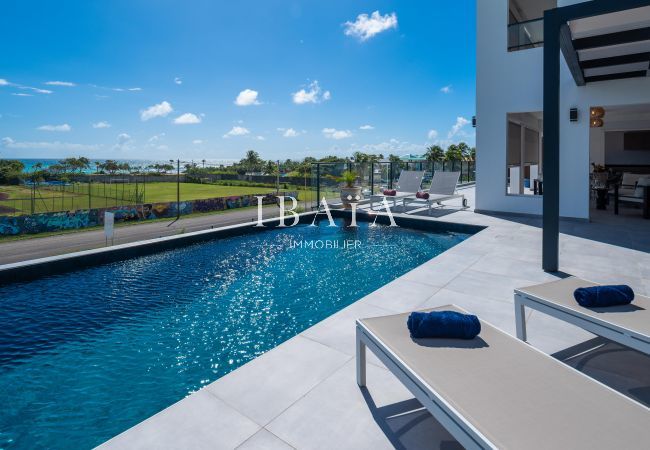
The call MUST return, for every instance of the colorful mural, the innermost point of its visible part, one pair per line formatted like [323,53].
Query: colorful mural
[67,220]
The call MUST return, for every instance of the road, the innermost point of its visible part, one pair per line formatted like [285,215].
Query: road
[40,247]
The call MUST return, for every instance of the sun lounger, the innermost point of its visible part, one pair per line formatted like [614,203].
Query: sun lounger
[628,325]
[409,183]
[443,188]
[497,392]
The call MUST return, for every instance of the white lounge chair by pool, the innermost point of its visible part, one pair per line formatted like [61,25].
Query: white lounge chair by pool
[628,325]
[496,391]
[443,188]
[410,182]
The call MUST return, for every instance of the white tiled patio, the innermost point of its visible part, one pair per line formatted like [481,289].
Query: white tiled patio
[303,394]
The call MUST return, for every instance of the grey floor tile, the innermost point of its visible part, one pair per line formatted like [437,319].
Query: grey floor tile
[340,415]
[200,421]
[400,295]
[267,385]
[264,440]
[487,285]
[495,312]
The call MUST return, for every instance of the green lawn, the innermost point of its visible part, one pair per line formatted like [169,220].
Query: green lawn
[77,197]
[69,198]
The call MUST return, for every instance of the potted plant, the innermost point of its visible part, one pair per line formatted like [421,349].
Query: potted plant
[349,193]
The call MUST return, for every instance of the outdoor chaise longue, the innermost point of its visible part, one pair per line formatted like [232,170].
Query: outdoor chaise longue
[496,391]
[628,325]
[409,183]
[443,188]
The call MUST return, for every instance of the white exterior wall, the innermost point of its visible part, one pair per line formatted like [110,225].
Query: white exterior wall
[509,82]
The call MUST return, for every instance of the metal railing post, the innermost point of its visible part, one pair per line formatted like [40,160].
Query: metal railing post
[372,178]
[317,186]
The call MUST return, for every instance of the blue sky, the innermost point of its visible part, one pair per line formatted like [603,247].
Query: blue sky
[157,80]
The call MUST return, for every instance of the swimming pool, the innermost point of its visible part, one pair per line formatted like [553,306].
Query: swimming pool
[87,354]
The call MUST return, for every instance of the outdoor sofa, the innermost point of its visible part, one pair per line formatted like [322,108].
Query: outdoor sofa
[628,325]
[443,188]
[409,182]
[496,391]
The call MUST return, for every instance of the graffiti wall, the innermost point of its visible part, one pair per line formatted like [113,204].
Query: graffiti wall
[69,220]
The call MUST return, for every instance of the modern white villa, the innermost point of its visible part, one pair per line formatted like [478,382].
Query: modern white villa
[601,117]
[512,313]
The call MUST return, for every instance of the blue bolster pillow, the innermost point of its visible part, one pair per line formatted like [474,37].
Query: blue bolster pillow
[596,296]
[443,324]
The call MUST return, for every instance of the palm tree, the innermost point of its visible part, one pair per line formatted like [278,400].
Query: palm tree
[251,161]
[453,153]
[271,168]
[435,153]
[464,150]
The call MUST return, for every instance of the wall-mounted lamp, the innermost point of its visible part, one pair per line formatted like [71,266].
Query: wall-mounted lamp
[596,116]
[573,114]
[473,121]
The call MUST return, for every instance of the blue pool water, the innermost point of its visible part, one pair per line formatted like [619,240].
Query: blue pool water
[88,354]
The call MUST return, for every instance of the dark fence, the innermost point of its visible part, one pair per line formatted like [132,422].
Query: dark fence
[373,177]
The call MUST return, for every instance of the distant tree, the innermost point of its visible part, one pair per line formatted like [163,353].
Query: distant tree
[271,168]
[11,171]
[111,166]
[464,150]
[435,153]
[394,158]
[252,161]
[453,153]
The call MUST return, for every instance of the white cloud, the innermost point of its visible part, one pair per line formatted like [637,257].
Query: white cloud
[260,138]
[393,146]
[155,138]
[312,94]
[247,97]
[21,94]
[60,83]
[332,133]
[65,127]
[197,141]
[461,122]
[187,119]
[135,89]
[178,80]
[10,143]
[236,131]
[102,124]
[124,142]
[365,27]
[366,127]
[447,89]
[37,90]
[290,132]
[4,82]
[432,135]
[159,110]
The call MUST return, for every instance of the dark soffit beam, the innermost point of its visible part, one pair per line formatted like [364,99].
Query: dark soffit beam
[605,40]
[616,61]
[617,76]
[593,8]
[570,55]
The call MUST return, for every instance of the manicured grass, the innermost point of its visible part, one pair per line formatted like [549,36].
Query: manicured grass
[17,199]
[67,198]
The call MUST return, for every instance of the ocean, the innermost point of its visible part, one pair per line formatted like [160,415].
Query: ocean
[45,163]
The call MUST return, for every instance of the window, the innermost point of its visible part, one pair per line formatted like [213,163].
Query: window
[526,23]
[524,154]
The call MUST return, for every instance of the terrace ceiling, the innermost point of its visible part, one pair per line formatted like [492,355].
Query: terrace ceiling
[608,47]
